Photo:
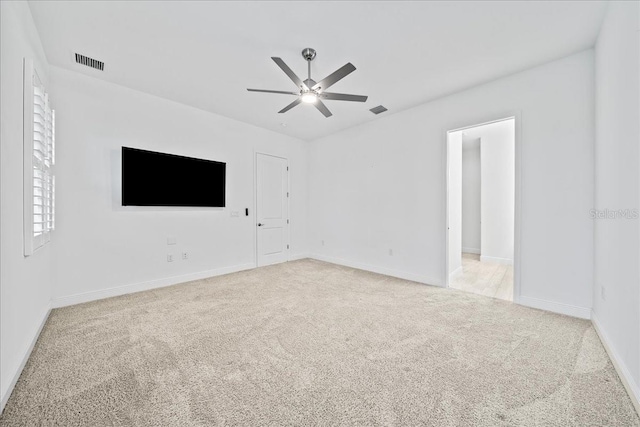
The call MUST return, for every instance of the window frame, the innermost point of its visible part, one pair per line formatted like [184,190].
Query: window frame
[33,241]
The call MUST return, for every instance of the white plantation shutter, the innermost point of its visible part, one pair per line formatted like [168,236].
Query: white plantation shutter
[39,158]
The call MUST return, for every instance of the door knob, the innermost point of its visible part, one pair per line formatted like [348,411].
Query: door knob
[260,224]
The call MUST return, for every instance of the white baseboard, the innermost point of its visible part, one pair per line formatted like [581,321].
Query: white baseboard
[380,270]
[296,257]
[153,284]
[471,251]
[630,385]
[145,286]
[25,356]
[555,307]
[455,272]
[505,261]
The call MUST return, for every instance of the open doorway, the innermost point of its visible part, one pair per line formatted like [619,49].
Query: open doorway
[481,195]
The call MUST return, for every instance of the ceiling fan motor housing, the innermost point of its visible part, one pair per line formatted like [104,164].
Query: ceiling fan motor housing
[310,90]
[308,53]
[310,83]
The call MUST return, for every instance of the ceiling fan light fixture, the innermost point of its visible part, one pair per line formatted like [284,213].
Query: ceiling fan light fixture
[309,97]
[310,91]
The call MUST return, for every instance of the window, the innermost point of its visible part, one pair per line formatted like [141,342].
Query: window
[39,158]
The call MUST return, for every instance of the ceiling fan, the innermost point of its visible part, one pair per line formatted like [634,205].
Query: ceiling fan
[313,92]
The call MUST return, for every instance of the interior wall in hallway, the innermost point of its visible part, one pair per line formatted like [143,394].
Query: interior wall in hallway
[471,196]
[497,189]
[455,201]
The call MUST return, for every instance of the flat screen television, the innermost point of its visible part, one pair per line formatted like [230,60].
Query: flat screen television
[158,179]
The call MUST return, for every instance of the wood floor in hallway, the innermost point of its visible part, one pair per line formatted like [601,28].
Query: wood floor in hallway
[484,278]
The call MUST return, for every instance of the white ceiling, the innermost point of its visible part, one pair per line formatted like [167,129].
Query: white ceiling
[205,54]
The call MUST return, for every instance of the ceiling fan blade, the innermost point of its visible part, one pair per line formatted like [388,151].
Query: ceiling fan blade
[273,91]
[334,77]
[323,108]
[289,72]
[343,97]
[290,106]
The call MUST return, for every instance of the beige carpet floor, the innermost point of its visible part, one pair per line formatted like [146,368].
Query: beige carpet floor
[309,343]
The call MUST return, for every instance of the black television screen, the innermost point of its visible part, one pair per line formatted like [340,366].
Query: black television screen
[158,179]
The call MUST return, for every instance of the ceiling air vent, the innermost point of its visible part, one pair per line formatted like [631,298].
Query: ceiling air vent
[89,62]
[377,110]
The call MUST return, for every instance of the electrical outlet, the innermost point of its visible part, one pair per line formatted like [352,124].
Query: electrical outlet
[603,295]
[169,258]
[322,241]
[185,255]
[390,252]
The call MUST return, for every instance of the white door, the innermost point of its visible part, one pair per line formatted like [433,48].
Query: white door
[272,211]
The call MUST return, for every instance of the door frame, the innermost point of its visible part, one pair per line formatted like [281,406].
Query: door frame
[255,205]
[461,125]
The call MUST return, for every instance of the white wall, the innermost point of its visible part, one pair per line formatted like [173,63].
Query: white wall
[25,283]
[101,245]
[471,197]
[497,188]
[455,201]
[616,301]
[381,185]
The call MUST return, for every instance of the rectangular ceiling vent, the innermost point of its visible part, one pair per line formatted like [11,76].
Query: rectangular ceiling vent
[377,110]
[89,62]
